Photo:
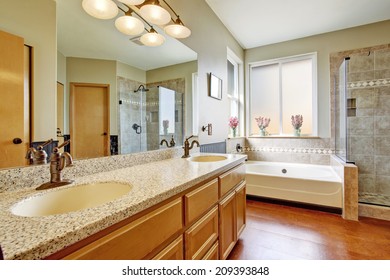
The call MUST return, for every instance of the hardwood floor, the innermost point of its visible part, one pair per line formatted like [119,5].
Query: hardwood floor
[282,232]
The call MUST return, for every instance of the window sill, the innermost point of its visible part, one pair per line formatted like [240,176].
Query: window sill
[285,137]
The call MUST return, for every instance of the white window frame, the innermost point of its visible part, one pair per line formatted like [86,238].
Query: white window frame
[239,89]
[279,61]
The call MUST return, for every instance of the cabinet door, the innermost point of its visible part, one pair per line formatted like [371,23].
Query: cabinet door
[137,239]
[201,236]
[173,251]
[227,225]
[241,208]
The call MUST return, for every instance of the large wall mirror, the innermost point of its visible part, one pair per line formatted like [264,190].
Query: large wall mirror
[130,80]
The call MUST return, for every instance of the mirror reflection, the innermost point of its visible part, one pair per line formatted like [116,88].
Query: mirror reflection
[91,53]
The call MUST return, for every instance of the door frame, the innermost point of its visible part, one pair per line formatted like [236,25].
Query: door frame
[73,86]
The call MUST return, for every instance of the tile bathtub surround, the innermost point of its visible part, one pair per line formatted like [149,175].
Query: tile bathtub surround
[349,175]
[15,179]
[298,150]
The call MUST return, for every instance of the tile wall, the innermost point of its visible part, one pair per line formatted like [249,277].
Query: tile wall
[369,131]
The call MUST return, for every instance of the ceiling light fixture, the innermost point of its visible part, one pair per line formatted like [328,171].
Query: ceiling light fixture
[151,12]
[152,38]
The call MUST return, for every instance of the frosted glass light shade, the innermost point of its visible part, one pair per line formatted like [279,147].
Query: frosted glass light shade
[132,2]
[129,25]
[155,14]
[152,39]
[177,31]
[102,9]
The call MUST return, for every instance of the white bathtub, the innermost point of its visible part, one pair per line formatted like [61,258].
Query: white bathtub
[306,183]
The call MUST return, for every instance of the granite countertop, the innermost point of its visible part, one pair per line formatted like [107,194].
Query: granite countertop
[39,237]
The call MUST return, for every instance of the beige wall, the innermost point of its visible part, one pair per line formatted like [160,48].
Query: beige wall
[35,21]
[130,72]
[82,70]
[183,70]
[210,40]
[324,44]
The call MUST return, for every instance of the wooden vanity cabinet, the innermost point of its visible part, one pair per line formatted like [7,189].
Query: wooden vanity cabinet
[203,223]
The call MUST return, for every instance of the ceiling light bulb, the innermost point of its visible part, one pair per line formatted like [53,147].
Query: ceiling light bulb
[129,25]
[152,39]
[155,14]
[177,31]
[132,2]
[102,9]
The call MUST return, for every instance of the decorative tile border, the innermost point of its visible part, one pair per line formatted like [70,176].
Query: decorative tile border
[319,151]
[369,83]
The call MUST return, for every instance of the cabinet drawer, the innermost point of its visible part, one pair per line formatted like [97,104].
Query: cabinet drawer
[212,254]
[137,239]
[201,236]
[198,201]
[230,179]
[173,251]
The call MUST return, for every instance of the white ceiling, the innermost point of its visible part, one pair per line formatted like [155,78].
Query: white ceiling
[261,22]
[80,35]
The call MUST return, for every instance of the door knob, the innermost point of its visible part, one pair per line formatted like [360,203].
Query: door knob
[104,133]
[17,141]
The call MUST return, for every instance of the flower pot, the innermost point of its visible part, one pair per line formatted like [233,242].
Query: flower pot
[262,132]
[297,132]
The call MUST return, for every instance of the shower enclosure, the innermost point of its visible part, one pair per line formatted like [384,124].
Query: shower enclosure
[362,121]
[146,116]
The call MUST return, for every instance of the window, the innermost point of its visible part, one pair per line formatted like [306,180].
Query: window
[234,88]
[281,88]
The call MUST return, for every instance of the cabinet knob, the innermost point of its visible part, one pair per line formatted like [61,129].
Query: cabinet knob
[17,141]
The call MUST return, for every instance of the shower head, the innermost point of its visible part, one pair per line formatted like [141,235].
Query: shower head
[141,88]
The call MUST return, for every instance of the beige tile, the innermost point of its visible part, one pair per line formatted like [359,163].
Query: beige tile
[382,145]
[366,183]
[382,59]
[361,63]
[361,125]
[365,164]
[362,145]
[382,165]
[382,125]
[383,184]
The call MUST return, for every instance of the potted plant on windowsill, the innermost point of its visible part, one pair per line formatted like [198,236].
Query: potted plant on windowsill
[297,122]
[233,123]
[262,123]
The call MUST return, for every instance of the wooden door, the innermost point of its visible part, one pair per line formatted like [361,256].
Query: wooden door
[14,96]
[89,120]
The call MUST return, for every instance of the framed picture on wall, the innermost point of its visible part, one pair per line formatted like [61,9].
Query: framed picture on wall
[215,87]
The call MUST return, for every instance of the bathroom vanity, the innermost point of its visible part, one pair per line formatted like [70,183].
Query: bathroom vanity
[176,209]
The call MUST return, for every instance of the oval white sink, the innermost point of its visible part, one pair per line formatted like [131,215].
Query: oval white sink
[207,158]
[70,199]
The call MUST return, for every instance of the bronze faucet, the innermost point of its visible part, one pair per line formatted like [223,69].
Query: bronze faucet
[187,147]
[171,144]
[38,155]
[58,161]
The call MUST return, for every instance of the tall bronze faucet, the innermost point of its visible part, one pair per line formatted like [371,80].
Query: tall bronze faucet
[58,161]
[171,144]
[187,147]
[38,155]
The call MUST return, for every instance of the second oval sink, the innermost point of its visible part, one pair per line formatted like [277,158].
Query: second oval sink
[70,199]
[209,158]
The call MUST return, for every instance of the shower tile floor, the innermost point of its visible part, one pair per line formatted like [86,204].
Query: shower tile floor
[373,198]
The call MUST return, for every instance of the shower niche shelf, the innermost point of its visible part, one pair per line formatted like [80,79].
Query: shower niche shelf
[351,107]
